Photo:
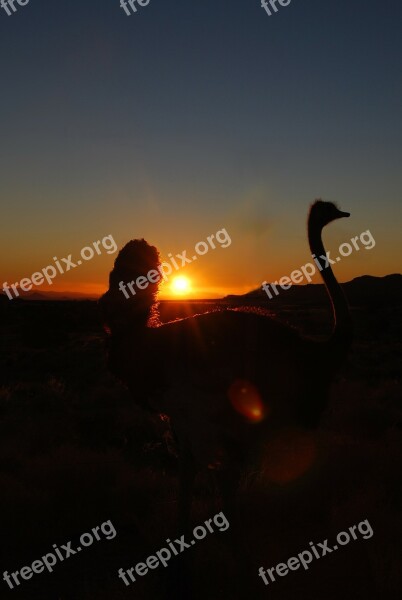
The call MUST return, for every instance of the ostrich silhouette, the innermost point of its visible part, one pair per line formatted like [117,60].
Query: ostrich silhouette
[228,380]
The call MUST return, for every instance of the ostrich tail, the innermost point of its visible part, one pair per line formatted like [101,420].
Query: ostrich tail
[126,308]
[126,312]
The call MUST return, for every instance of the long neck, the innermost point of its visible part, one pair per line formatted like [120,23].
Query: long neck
[342,330]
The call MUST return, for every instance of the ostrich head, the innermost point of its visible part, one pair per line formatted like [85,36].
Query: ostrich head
[322,213]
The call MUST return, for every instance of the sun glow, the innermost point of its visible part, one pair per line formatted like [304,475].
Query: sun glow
[180,285]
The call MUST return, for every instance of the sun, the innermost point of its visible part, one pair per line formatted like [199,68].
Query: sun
[180,285]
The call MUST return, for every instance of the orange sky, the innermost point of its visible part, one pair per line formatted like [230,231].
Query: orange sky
[258,251]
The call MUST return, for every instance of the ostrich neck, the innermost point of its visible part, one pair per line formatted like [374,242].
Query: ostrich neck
[339,303]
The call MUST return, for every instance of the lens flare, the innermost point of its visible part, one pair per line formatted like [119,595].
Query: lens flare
[288,456]
[247,401]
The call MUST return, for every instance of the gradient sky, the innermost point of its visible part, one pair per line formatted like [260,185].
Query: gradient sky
[191,116]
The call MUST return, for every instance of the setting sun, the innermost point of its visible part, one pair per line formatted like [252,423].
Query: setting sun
[180,285]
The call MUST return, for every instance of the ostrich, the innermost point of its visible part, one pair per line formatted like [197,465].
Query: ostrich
[229,380]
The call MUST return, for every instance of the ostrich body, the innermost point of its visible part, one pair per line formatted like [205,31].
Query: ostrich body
[200,370]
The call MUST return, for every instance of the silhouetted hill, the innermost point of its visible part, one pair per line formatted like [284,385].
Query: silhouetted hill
[43,296]
[364,290]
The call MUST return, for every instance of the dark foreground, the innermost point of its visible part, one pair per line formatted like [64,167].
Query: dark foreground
[76,452]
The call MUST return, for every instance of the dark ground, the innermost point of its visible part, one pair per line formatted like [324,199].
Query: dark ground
[75,452]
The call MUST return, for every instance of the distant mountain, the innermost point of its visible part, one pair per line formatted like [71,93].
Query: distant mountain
[360,291]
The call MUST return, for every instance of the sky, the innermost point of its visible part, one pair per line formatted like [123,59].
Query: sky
[189,117]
